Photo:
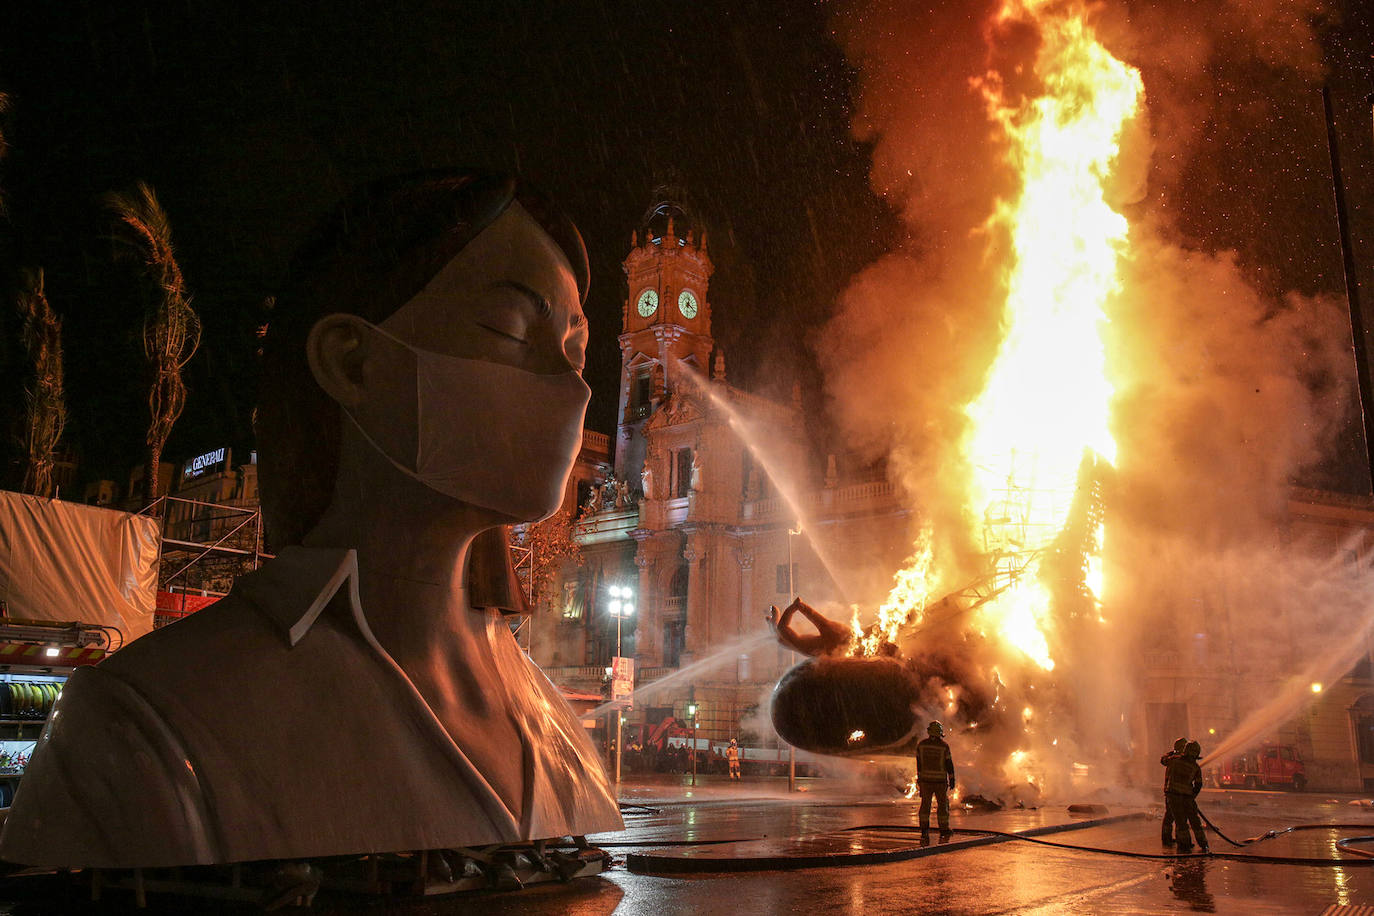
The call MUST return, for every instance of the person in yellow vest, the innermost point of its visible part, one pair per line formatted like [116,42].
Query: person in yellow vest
[732,757]
[1182,783]
[934,777]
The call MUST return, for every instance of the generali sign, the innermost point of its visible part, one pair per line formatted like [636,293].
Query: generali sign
[203,464]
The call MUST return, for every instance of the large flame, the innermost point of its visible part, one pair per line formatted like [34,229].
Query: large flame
[1047,397]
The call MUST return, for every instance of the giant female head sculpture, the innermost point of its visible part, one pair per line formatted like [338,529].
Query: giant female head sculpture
[473,282]
[421,386]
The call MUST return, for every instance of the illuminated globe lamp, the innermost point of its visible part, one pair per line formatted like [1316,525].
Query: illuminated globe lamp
[620,606]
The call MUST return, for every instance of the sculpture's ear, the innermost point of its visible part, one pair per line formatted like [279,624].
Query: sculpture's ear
[336,350]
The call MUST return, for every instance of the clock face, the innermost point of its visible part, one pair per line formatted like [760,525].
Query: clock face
[648,303]
[687,304]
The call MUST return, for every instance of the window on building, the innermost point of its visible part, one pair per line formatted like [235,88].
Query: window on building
[682,472]
[674,640]
[1362,716]
[784,580]
[1363,669]
[574,600]
[641,391]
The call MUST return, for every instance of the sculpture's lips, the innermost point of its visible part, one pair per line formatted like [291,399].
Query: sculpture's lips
[847,706]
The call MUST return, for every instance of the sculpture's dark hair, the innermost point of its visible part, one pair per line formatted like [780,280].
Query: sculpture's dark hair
[369,257]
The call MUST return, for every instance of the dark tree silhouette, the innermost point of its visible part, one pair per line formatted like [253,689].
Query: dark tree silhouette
[45,408]
[171,328]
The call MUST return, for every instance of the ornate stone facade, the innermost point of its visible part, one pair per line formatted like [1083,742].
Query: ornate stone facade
[703,535]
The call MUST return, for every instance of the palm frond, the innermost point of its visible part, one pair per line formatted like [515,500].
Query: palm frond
[44,398]
[171,328]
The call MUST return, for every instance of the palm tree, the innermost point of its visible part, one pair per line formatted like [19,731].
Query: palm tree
[171,328]
[4,146]
[44,400]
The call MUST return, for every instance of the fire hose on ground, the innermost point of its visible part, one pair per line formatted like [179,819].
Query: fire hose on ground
[1345,844]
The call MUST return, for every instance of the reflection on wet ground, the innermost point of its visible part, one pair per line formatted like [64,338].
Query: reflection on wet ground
[1012,877]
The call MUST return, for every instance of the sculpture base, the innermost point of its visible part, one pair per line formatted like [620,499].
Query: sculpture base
[416,874]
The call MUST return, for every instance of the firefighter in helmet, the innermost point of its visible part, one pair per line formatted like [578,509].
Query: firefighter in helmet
[732,757]
[1166,830]
[934,777]
[1182,783]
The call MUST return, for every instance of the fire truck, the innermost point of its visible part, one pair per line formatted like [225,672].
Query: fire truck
[1272,766]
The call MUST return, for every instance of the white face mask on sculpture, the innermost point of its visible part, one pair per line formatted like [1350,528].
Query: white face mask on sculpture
[492,435]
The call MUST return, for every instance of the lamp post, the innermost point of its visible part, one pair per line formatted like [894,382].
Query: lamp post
[792,590]
[620,607]
[692,713]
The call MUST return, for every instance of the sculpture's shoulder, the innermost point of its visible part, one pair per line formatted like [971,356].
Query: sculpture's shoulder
[218,637]
[108,783]
[136,745]
[239,638]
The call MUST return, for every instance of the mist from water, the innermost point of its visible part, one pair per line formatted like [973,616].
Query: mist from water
[1224,390]
[751,438]
[729,653]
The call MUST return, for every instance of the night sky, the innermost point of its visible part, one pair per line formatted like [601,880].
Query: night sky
[250,119]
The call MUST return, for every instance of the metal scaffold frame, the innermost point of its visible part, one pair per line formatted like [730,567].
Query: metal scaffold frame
[232,545]
[522,559]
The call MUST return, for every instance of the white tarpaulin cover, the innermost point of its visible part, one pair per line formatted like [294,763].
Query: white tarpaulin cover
[65,561]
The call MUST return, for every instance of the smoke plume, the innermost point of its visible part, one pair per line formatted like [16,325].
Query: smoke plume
[1223,392]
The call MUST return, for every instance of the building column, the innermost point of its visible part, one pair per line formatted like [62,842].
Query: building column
[649,635]
[698,624]
[744,666]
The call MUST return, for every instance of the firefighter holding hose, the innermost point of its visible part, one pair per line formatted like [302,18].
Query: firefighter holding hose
[934,778]
[1167,828]
[1182,783]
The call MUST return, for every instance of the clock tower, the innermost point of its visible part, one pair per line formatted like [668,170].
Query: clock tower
[666,323]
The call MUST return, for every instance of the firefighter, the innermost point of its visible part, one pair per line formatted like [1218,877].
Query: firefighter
[1182,783]
[1167,828]
[732,757]
[934,777]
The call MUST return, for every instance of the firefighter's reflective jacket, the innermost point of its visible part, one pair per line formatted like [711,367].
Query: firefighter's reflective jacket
[1183,777]
[1164,762]
[934,762]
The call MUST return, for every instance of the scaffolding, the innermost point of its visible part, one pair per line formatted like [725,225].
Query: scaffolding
[205,546]
[522,560]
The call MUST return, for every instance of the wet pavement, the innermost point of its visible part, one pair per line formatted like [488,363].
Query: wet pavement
[1129,874]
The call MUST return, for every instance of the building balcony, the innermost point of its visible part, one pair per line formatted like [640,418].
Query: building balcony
[596,442]
[581,678]
[610,525]
[857,497]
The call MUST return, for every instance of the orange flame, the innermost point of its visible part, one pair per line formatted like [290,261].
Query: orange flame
[1047,397]
[905,604]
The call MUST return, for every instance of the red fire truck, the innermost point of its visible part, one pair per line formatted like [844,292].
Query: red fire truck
[1272,766]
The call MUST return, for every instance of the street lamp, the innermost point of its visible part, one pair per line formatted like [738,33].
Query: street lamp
[692,714]
[620,607]
[792,590]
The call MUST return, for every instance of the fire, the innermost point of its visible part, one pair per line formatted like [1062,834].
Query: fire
[856,736]
[1019,768]
[905,603]
[1047,398]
